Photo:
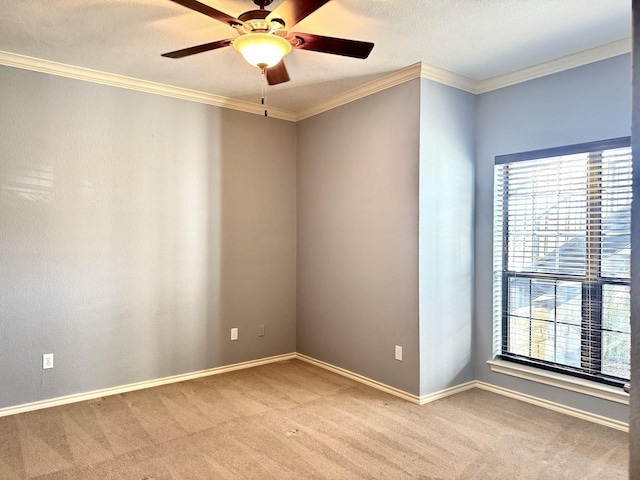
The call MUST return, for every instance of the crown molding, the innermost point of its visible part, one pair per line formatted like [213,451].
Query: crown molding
[579,59]
[104,78]
[440,75]
[387,81]
[446,77]
[417,70]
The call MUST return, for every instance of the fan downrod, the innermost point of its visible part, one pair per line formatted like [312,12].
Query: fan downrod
[263,3]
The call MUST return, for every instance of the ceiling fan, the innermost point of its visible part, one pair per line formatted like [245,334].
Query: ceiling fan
[265,38]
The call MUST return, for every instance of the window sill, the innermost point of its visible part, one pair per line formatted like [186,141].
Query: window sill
[567,382]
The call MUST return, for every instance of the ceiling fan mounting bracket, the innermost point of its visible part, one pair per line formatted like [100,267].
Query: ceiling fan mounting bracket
[263,3]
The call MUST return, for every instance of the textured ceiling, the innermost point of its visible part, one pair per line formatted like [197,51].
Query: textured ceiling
[475,38]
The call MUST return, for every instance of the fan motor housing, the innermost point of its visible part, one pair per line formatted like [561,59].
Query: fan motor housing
[256,21]
[254,15]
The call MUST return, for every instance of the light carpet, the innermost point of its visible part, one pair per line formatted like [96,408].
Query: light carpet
[293,420]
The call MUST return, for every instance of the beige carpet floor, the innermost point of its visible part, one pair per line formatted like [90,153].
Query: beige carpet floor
[293,420]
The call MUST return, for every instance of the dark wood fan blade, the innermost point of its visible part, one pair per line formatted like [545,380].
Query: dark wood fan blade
[293,11]
[277,74]
[185,52]
[207,10]
[334,46]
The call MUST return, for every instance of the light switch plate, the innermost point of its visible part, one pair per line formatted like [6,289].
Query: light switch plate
[398,352]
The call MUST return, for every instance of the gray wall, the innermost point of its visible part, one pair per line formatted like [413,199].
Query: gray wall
[584,104]
[135,231]
[447,150]
[385,236]
[357,296]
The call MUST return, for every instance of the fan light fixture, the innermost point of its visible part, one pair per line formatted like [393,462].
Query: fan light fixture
[262,50]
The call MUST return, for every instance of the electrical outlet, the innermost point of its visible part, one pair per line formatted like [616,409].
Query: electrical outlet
[47,361]
[261,330]
[234,334]
[398,352]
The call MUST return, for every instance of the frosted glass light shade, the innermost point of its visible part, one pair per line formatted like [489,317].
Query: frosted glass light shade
[262,48]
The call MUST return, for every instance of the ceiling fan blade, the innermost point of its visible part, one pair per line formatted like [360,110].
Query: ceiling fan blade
[209,11]
[293,11]
[185,52]
[334,46]
[277,74]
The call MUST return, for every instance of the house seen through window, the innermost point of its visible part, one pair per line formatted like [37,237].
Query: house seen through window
[562,259]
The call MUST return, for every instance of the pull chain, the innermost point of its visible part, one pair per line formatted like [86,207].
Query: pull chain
[264,90]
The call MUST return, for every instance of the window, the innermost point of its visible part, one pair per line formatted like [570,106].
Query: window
[562,259]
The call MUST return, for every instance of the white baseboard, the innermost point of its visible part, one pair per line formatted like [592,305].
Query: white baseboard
[556,407]
[80,397]
[420,400]
[360,378]
[447,392]
[567,382]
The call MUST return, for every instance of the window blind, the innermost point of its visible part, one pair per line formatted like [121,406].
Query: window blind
[562,259]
